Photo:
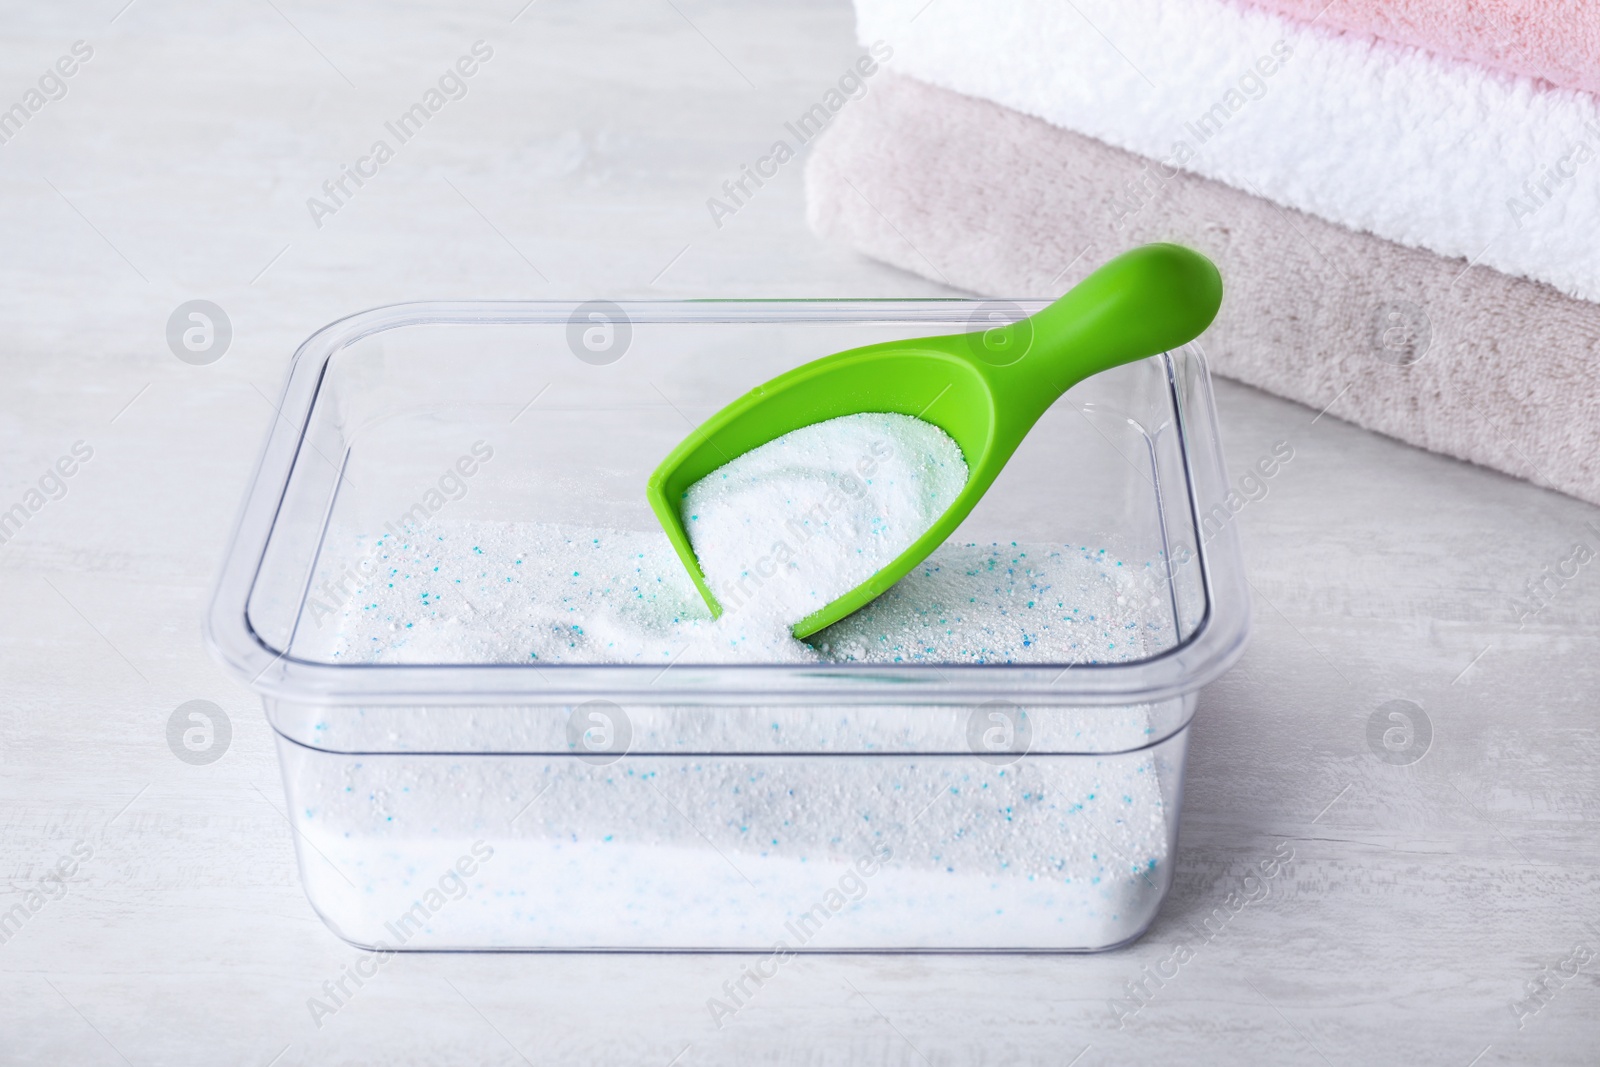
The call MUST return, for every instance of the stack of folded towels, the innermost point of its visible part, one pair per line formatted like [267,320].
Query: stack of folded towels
[1403,197]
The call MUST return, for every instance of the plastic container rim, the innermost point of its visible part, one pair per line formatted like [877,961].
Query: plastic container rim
[1216,643]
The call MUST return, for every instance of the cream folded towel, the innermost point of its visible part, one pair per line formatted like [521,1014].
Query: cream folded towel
[1427,151]
[1471,363]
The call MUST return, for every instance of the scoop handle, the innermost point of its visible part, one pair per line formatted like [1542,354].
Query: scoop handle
[1151,300]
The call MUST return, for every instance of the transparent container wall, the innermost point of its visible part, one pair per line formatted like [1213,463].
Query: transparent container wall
[606,727]
[732,852]
[475,801]
[402,416]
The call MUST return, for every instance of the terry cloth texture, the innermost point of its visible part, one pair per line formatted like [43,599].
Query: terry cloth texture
[1469,362]
[1556,40]
[1429,152]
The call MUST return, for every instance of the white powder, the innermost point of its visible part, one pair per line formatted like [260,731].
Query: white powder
[780,532]
[785,529]
[478,592]
[728,851]
[724,851]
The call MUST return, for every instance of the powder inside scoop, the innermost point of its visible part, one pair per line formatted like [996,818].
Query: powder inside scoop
[785,529]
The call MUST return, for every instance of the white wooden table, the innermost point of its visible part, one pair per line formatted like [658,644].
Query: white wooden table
[1422,898]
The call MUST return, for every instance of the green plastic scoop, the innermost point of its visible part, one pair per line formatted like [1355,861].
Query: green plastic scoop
[985,389]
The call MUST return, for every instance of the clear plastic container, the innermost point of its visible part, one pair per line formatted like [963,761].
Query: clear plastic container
[454,798]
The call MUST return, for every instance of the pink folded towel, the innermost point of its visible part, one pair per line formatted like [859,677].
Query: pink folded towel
[1557,40]
[1468,362]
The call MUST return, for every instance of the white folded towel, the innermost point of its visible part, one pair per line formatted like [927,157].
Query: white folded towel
[1426,151]
[1497,370]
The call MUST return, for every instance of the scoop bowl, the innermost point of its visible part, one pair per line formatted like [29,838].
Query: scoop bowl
[985,389]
